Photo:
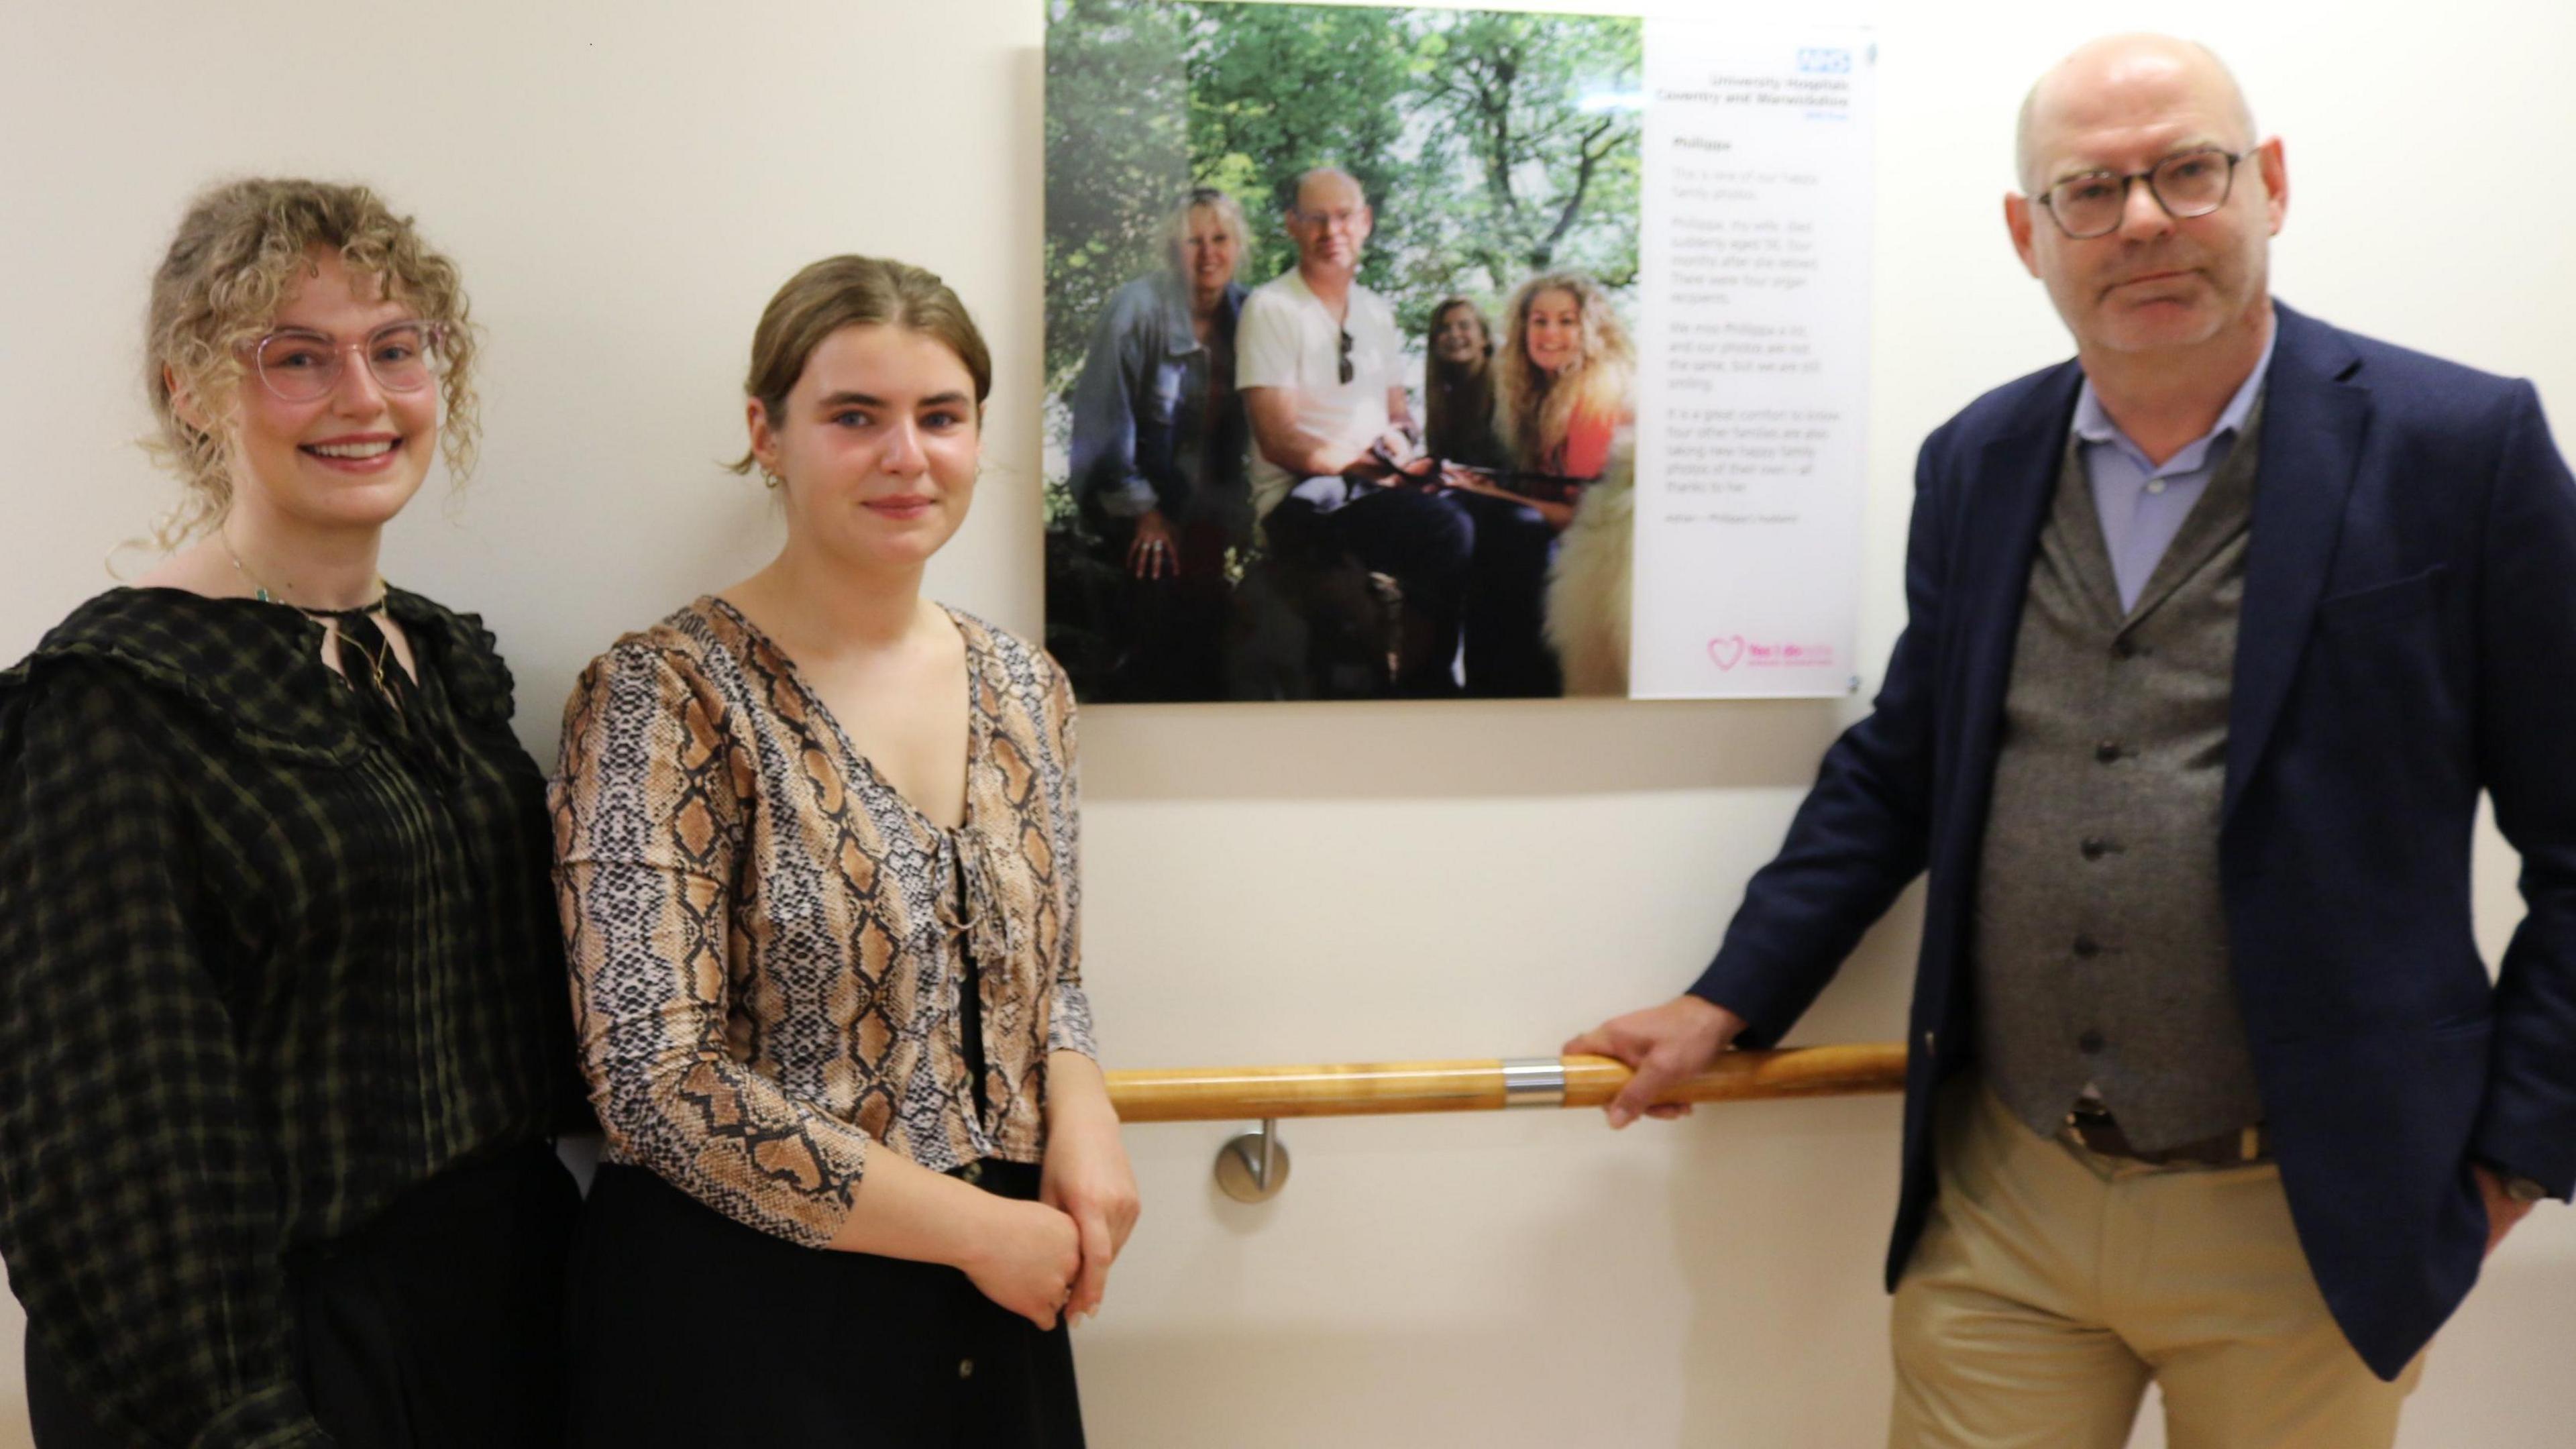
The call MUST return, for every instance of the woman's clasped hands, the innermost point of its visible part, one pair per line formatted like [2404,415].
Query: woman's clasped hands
[1086,1177]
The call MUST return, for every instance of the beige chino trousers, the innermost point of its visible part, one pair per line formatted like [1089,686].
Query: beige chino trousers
[2052,1284]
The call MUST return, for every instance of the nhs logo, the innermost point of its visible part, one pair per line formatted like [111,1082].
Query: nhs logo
[1824,60]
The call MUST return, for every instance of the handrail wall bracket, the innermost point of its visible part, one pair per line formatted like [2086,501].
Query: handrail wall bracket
[1253,1166]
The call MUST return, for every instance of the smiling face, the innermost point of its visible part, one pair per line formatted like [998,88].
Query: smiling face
[2155,282]
[1330,223]
[878,447]
[1553,331]
[1458,336]
[1209,251]
[352,457]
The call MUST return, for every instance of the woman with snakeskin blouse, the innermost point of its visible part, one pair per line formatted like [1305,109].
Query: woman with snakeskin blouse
[816,865]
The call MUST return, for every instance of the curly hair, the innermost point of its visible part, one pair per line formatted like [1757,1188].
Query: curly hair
[852,291]
[1534,410]
[239,250]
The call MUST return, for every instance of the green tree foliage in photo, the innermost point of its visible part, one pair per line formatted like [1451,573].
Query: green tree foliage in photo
[1493,146]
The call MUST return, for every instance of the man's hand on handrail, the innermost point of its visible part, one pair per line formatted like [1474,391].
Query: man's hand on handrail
[1665,1046]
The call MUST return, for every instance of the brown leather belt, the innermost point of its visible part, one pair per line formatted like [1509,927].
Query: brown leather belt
[2098,1131]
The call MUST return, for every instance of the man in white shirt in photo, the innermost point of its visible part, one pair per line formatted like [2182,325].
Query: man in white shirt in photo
[1320,366]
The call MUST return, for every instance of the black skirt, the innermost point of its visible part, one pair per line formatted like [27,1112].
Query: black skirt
[438,1324]
[691,1329]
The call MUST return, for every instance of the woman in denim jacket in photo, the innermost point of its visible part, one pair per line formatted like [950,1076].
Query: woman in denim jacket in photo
[1158,453]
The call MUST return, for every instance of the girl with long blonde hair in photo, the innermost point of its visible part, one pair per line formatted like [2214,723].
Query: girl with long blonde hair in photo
[285,1035]
[1562,382]
[1565,382]
[1565,409]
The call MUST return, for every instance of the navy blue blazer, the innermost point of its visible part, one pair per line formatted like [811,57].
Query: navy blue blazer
[2408,638]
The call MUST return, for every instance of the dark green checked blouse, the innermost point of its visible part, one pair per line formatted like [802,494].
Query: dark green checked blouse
[270,954]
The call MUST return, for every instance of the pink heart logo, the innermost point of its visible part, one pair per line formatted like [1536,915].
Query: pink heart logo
[1725,652]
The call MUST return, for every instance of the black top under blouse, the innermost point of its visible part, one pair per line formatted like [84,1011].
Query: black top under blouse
[274,949]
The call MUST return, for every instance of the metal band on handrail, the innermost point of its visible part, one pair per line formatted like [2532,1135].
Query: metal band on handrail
[1533,1081]
[1218,1094]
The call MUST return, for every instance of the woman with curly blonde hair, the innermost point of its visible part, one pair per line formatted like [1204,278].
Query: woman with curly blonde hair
[1564,378]
[285,1034]
[1561,395]
[1562,402]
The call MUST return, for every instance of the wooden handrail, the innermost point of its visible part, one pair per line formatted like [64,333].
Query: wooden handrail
[1225,1094]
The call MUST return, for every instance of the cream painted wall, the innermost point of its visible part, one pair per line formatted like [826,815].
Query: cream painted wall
[625,183]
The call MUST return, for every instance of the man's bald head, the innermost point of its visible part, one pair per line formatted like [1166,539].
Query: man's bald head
[2101,66]
[2102,125]
[1329,219]
[1321,187]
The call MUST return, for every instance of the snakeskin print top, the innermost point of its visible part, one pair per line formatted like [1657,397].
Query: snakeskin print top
[764,936]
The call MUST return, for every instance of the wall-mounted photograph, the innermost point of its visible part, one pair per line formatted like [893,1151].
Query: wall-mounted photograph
[1341,350]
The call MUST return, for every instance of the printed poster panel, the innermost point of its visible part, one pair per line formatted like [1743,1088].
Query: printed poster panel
[1756,340]
[1356,345]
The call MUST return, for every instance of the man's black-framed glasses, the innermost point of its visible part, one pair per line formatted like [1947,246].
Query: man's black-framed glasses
[2194,183]
[1348,371]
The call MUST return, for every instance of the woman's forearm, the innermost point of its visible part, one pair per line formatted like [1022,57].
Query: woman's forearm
[1022,1255]
[1077,1089]
[905,1210]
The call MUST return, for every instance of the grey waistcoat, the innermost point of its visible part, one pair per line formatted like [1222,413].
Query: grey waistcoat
[2101,936]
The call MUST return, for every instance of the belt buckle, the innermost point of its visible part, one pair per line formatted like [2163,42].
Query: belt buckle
[2240,1148]
[2083,1125]
[2106,1139]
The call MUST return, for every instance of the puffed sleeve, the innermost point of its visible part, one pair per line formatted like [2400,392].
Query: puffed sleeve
[136,1208]
[1069,1013]
[647,817]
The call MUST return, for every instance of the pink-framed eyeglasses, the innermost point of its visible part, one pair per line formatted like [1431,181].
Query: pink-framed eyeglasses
[300,365]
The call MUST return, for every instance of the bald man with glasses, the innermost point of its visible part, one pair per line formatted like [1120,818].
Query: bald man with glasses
[1321,367]
[2216,635]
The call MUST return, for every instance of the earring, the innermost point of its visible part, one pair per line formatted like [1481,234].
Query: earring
[769,478]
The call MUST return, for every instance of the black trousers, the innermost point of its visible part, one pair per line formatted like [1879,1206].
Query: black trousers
[1172,628]
[690,1329]
[1506,606]
[1423,539]
[437,1325]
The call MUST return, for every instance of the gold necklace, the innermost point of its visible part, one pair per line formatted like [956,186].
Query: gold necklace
[329,619]
[267,595]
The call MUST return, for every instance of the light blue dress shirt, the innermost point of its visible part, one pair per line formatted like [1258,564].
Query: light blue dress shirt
[2142,505]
